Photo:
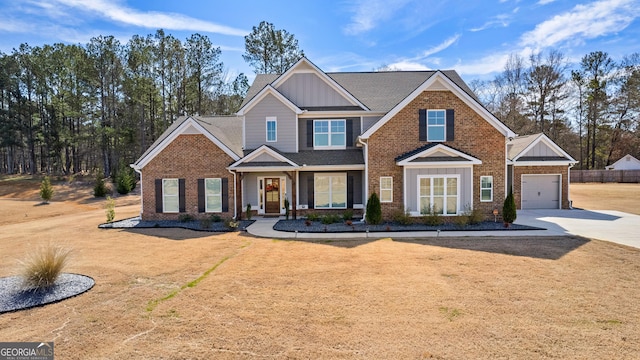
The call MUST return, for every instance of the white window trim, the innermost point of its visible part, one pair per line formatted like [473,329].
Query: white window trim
[329,175]
[419,212]
[164,195]
[330,146]
[261,196]
[268,120]
[491,188]
[386,189]
[206,196]
[444,126]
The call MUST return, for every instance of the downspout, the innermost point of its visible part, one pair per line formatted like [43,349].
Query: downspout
[366,176]
[137,169]
[569,186]
[235,196]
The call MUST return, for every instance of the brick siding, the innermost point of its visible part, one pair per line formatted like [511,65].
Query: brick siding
[473,135]
[518,171]
[189,157]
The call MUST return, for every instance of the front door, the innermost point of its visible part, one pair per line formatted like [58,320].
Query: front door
[272,195]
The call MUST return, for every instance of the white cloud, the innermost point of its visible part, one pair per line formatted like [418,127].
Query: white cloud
[583,22]
[440,47]
[114,11]
[370,13]
[407,66]
[500,20]
[545,2]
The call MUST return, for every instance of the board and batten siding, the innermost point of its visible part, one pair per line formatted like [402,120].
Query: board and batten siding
[542,150]
[466,199]
[256,127]
[308,90]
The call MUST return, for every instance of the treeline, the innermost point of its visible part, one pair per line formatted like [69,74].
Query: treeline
[592,111]
[97,107]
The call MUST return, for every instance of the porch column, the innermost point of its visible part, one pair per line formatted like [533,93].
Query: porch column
[238,185]
[294,195]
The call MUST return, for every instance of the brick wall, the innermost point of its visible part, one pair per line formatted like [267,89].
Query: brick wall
[189,157]
[518,171]
[473,135]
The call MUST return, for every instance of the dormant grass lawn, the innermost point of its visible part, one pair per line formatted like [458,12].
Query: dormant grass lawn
[607,196]
[173,294]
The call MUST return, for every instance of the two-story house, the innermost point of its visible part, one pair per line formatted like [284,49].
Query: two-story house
[326,141]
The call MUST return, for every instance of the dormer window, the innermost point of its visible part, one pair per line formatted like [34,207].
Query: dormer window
[329,134]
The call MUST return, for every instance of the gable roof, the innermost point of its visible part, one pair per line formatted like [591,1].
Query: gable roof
[518,149]
[264,92]
[424,155]
[440,81]
[622,163]
[224,131]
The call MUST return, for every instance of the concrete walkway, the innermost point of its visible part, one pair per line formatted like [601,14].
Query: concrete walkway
[611,226]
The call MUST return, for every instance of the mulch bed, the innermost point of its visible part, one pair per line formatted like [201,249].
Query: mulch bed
[138,223]
[13,296]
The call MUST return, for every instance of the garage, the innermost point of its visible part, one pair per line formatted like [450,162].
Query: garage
[541,191]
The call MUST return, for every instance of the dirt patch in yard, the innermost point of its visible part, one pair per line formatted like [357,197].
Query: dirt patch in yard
[170,293]
[607,196]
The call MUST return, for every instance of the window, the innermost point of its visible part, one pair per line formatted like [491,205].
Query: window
[272,127]
[170,196]
[330,191]
[213,195]
[436,125]
[386,189]
[486,188]
[329,134]
[438,194]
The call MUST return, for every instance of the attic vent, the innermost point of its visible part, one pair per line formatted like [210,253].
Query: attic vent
[628,158]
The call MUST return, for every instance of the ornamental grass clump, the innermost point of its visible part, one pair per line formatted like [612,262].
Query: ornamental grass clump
[41,268]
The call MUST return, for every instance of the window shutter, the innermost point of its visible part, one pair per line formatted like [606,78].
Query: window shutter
[225,194]
[310,133]
[349,192]
[159,195]
[450,121]
[349,124]
[422,123]
[310,191]
[201,196]
[181,196]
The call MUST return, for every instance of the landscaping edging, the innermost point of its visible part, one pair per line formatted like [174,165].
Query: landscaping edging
[361,227]
[14,297]
[138,223]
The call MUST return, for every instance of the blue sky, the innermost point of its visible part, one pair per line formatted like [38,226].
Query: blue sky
[473,37]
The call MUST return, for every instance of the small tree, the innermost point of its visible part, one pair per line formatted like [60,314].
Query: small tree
[124,181]
[46,190]
[110,209]
[99,188]
[374,210]
[286,208]
[509,209]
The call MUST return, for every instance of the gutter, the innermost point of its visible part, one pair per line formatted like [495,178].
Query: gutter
[235,196]
[366,175]
[137,169]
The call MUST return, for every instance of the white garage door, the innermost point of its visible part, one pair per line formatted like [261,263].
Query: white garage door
[541,191]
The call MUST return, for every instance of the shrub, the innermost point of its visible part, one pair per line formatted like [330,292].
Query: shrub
[286,208]
[248,211]
[124,182]
[215,218]
[330,219]
[374,210]
[313,217]
[476,216]
[110,209]
[46,190]
[99,188]
[509,214]
[205,222]
[42,268]
[431,216]
[463,219]
[402,217]
[185,218]
[231,224]
[347,215]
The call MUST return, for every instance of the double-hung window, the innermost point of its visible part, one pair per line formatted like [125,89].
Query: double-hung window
[330,191]
[329,134]
[386,189]
[438,194]
[486,188]
[436,122]
[170,196]
[272,129]
[213,194]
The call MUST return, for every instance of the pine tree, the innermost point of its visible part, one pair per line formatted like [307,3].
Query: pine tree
[509,214]
[46,190]
[374,210]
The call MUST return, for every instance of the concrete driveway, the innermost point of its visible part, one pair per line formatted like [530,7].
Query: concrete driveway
[614,226]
